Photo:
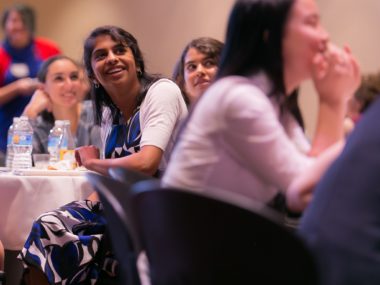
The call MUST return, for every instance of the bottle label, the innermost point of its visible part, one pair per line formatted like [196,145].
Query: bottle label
[9,139]
[64,143]
[22,139]
[66,154]
[53,141]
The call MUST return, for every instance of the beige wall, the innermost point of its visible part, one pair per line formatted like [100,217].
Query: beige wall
[163,27]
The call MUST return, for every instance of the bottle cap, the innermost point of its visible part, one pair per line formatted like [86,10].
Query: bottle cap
[59,123]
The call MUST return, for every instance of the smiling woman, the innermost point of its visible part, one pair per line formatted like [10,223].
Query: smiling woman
[60,98]
[197,67]
[127,98]
[139,115]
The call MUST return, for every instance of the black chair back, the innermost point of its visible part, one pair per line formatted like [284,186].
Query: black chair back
[128,176]
[192,238]
[114,197]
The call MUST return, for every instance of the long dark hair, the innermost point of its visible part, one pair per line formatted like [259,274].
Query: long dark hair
[253,44]
[99,95]
[210,47]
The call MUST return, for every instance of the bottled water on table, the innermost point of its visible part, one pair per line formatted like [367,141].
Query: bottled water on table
[9,157]
[67,144]
[22,144]
[55,140]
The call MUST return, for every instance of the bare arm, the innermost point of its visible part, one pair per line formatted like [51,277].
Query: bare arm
[300,192]
[146,160]
[336,78]
[39,102]
[23,86]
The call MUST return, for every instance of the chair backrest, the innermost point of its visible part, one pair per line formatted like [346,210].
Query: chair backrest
[191,238]
[128,176]
[114,197]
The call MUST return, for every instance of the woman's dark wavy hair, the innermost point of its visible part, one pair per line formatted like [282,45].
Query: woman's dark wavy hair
[27,15]
[210,47]
[99,95]
[41,76]
[253,44]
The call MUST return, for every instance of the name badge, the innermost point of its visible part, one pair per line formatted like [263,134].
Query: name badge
[19,70]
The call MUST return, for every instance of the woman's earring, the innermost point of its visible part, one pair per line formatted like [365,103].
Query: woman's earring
[139,72]
[96,84]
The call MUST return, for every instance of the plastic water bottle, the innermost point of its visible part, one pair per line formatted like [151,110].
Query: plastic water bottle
[55,139]
[22,141]
[67,144]
[9,157]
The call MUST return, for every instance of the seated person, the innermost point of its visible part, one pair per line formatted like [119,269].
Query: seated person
[244,133]
[21,54]
[342,223]
[139,114]
[60,98]
[197,67]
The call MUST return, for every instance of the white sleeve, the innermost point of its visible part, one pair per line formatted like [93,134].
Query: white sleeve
[296,134]
[160,113]
[258,141]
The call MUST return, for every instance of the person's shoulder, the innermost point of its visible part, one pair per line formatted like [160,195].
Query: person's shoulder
[230,87]
[46,47]
[164,94]
[2,50]
[5,60]
[40,41]
[164,83]
[236,94]
[3,54]
[164,88]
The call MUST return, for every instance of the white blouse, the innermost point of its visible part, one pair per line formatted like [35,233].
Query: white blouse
[236,140]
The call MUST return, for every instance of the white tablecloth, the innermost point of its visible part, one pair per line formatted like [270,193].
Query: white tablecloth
[23,198]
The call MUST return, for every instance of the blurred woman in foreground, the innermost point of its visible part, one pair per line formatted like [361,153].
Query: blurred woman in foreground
[243,134]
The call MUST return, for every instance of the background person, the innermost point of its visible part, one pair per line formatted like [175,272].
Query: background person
[60,98]
[21,55]
[197,67]
[342,224]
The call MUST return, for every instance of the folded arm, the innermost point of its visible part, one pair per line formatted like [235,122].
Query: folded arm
[23,86]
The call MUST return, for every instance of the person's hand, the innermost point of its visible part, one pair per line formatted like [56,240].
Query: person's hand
[27,85]
[85,154]
[336,75]
[40,101]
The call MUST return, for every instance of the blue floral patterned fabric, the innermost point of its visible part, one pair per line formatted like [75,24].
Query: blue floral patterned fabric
[69,244]
[64,243]
[124,139]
